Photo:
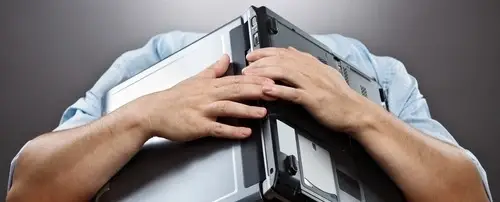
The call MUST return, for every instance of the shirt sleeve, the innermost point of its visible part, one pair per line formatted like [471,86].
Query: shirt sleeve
[407,102]
[89,107]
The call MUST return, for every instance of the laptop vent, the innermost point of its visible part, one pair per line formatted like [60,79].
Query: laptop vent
[323,60]
[363,91]
[345,73]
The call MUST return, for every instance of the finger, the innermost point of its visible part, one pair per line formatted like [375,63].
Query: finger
[217,69]
[301,52]
[278,73]
[222,65]
[266,52]
[242,79]
[237,92]
[269,98]
[216,129]
[295,95]
[293,49]
[265,62]
[235,110]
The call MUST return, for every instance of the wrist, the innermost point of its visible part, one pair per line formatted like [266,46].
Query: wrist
[135,120]
[370,118]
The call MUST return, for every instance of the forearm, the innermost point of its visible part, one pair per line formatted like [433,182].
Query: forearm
[426,169]
[72,165]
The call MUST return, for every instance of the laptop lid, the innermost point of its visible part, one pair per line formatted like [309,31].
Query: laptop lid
[203,170]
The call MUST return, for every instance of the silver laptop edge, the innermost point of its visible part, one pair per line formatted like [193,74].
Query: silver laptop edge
[139,82]
[146,82]
[266,138]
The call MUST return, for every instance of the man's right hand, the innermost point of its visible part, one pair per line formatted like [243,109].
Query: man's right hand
[189,110]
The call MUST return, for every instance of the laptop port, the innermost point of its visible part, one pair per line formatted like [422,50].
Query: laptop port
[253,22]
[256,39]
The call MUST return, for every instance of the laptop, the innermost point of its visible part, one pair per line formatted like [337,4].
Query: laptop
[289,156]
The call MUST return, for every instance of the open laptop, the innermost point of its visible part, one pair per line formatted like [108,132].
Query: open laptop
[289,157]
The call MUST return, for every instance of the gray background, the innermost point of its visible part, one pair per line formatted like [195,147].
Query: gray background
[52,51]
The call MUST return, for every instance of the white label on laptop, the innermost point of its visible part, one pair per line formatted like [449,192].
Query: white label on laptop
[317,166]
[286,139]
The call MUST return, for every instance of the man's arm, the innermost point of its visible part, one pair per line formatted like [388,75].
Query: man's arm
[425,168]
[411,126]
[53,162]
[75,163]
[76,166]
[415,150]
[418,152]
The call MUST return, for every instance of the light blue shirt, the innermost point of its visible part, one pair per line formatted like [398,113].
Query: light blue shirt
[405,100]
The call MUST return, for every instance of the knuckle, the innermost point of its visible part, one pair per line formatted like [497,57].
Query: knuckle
[248,111]
[278,51]
[208,129]
[211,83]
[236,79]
[281,54]
[256,79]
[260,80]
[249,79]
[222,107]
[285,73]
[321,98]
[215,129]
[237,89]
[296,96]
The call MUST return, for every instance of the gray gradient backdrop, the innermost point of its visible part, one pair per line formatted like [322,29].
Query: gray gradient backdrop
[52,51]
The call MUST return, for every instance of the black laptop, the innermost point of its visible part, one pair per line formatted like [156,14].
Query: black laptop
[289,157]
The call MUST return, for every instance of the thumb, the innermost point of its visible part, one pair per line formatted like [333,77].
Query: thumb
[217,69]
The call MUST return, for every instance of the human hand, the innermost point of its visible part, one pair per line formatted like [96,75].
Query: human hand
[189,110]
[318,87]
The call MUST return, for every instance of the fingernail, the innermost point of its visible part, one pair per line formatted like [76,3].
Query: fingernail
[246,132]
[247,70]
[262,112]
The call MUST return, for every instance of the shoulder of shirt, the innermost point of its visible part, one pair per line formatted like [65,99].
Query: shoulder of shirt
[383,68]
[171,42]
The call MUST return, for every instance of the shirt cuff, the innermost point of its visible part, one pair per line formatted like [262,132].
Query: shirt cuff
[13,166]
[481,172]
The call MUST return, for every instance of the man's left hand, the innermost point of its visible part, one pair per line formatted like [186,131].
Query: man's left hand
[321,89]
[411,158]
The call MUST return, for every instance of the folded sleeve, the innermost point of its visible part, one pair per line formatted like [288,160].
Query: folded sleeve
[407,102]
[88,108]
